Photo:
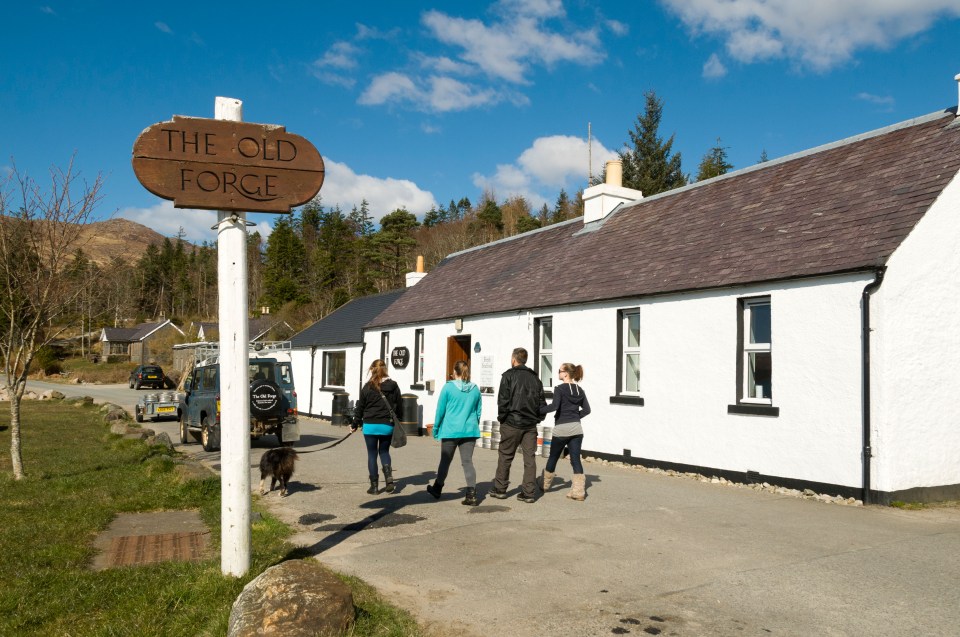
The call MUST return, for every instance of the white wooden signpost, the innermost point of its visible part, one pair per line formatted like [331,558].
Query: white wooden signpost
[231,167]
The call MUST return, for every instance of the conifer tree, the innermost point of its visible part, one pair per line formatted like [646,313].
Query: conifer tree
[648,165]
[714,163]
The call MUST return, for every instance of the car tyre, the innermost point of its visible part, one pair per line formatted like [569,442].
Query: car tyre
[266,400]
[184,430]
[209,437]
[136,385]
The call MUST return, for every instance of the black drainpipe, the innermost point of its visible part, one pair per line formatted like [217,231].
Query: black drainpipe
[313,355]
[865,373]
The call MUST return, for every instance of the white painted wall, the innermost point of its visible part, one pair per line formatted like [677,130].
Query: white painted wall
[688,377]
[916,314]
[322,398]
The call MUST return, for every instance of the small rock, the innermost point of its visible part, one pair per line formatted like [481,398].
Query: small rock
[809,492]
[117,414]
[52,394]
[119,428]
[714,480]
[160,439]
[294,599]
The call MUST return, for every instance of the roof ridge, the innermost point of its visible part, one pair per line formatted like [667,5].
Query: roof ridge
[846,141]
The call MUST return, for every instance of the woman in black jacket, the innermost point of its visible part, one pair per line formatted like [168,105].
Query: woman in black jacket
[377,397]
[571,404]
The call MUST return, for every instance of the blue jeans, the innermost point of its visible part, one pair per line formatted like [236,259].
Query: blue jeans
[572,443]
[377,446]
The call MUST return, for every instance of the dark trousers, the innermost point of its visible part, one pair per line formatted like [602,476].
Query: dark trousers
[510,438]
[572,443]
[377,446]
[447,448]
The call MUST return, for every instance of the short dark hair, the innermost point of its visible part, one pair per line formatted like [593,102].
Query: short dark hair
[520,355]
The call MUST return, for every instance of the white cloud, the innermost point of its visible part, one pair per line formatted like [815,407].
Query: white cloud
[550,163]
[818,34]
[387,87]
[434,94]
[342,55]
[713,68]
[196,224]
[618,28]
[163,27]
[532,8]
[48,10]
[885,102]
[507,49]
[343,187]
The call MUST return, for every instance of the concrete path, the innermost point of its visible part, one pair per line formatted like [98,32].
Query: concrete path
[644,553]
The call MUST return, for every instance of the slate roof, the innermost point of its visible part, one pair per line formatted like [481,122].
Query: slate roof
[837,208]
[344,326]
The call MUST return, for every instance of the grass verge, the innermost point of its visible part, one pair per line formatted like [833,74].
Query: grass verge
[78,477]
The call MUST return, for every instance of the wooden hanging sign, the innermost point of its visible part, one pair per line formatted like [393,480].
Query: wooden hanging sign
[224,165]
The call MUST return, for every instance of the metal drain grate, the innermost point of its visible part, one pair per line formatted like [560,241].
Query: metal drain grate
[131,550]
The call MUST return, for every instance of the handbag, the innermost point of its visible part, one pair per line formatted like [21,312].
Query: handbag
[399,437]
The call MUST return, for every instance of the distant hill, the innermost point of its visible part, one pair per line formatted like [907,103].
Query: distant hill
[104,240]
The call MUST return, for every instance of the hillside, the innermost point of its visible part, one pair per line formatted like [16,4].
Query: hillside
[104,240]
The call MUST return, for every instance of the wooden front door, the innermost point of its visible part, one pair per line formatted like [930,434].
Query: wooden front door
[458,349]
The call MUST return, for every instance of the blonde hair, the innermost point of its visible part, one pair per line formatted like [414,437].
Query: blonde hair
[461,369]
[378,371]
[575,371]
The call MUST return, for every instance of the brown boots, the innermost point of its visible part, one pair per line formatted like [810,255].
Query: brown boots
[546,480]
[579,489]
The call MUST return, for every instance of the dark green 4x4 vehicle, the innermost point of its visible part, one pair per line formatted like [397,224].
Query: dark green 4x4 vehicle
[273,397]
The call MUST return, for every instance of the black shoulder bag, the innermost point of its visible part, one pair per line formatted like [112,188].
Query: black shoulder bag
[399,437]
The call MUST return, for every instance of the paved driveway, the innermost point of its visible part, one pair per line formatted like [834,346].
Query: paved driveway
[644,553]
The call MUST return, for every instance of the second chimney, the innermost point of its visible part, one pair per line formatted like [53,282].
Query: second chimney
[600,200]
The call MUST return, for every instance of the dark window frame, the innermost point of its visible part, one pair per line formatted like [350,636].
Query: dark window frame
[620,398]
[324,369]
[740,407]
[537,332]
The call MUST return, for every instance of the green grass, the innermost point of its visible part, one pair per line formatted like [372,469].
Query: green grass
[89,372]
[78,477]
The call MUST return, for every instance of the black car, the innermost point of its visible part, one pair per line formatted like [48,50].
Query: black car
[146,375]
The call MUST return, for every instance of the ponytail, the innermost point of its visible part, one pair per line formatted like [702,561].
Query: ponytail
[575,371]
[462,370]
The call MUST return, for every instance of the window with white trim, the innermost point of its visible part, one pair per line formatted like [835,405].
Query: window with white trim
[543,328]
[756,355]
[630,352]
[418,356]
[385,348]
[334,369]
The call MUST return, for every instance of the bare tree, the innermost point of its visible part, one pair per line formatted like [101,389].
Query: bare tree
[38,238]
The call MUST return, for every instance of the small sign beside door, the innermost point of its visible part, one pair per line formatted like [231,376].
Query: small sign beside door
[399,357]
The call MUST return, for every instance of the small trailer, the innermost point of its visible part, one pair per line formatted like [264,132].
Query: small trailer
[158,406]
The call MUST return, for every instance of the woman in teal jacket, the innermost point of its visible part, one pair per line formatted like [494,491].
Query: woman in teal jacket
[457,426]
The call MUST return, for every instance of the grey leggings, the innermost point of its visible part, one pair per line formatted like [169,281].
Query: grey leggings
[447,447]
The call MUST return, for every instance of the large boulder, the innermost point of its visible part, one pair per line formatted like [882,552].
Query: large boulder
[116,414]
[52,394]
[293,599]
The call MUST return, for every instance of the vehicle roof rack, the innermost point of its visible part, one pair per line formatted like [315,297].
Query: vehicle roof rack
[209,353]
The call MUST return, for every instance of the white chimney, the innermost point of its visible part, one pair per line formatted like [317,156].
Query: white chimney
[957,78]
[600,200]
[414,277]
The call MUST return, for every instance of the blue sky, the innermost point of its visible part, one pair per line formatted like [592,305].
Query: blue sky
[413,103]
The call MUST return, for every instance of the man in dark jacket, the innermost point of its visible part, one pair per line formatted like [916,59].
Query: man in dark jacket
[518,410]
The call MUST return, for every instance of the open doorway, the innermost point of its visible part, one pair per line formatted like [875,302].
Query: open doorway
[458,349]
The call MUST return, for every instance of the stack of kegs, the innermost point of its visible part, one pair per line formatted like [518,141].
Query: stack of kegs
[486,430]
[494,434]
[547,440]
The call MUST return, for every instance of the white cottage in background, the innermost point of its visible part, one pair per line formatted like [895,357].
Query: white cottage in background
[326,356]
[793,322]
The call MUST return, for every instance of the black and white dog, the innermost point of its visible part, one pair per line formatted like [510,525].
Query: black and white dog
[278,464]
